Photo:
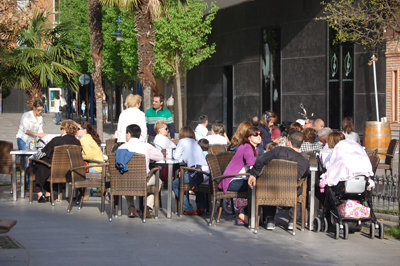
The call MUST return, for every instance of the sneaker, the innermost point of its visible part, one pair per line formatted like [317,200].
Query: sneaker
[149,212]
[240,222]
[132,212]
[192,212]
[290,225]
[270,224]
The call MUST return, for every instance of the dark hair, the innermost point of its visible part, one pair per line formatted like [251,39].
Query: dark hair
[203,119]
[186,132]
[90,130]
[204,144]
[37,103]
[295,126]
[134,130]
[251,131]
[218,128]
[159,95]
[266,117]
[347,125]
[296,138]
[310,135]
[271,146]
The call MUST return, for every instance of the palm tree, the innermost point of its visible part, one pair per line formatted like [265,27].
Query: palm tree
[44,55]
[96,48]
[146,12]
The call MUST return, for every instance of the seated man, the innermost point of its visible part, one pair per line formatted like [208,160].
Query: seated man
[133,144]
[290,153]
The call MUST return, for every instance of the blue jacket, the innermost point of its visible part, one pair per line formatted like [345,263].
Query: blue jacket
[122,157]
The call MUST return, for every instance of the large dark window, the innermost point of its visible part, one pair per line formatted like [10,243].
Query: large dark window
[341,83]
[271,70]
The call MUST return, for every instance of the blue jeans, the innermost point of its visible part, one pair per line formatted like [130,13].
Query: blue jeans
[58,117]
[201,198]
[21,144]
[238,185]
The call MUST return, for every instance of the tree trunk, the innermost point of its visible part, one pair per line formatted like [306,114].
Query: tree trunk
[145,39]
[96,47]
[34,93]
[178,93]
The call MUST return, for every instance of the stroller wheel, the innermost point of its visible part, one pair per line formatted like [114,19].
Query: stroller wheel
[381,230]
[345,231]
[325,225]
[337,230]
[372,231]
[317,224]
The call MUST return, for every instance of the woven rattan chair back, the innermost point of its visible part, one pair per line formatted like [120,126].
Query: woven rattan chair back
[131,183]
[81,179]
[216,149]
[391,151]
[277,184]
[110,143]
[5,157]
[374,159]
[61,172]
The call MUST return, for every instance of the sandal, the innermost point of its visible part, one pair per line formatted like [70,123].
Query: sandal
[240,222]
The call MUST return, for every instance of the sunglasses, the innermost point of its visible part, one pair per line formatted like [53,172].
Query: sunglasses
[256,134]
[40,109]
[61,128]
[165,128]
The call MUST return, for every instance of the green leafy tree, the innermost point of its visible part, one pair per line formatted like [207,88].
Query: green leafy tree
[368,22]
[182,41]
[44,56]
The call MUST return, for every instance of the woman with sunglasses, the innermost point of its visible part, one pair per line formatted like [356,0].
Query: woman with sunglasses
[31,126]
[242,161]
[90,142]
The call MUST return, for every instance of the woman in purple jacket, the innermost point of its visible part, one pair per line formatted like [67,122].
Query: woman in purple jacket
[244,158]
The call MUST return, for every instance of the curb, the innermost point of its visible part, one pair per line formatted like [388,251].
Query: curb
[387,217]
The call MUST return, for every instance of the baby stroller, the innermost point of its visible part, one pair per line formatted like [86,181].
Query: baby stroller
[341,207]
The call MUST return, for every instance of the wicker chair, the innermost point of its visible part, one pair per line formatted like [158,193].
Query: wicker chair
[6,159]
[374,159]
[110,144]
[58,174]
[215,149]
[217,164]
[81,179]
[133,182]
[388,164]
[184,188]
[277,186]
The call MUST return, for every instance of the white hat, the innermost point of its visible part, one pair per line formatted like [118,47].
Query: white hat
[301,121]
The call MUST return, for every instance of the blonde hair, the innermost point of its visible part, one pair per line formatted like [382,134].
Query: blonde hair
[70,127]
[159,125]
[218,128]
[133,100]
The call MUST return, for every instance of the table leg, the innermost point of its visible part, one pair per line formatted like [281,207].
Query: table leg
[23,173]
[311,196]
[170,167]
[253,209]
[14,177]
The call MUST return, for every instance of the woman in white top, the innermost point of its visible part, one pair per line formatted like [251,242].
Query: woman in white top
[161,141]
[348,130]
[131,115]
[31,125]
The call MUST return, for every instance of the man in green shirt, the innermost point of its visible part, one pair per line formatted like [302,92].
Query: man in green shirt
[158,112]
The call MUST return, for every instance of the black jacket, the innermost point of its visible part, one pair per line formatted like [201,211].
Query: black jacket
[284,153]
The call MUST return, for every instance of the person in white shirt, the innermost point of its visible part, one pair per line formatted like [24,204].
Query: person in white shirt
[348,130]
[201,130]
[217,136]
[134,144]
[131,115]
[31,125]
[161,141]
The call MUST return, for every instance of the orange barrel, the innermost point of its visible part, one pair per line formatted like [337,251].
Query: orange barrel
[377,135]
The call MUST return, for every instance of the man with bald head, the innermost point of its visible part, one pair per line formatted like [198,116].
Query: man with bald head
[318,124]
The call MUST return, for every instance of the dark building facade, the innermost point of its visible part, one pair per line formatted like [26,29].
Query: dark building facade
[274,55]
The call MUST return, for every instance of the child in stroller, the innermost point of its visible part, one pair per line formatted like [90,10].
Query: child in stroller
[346,200]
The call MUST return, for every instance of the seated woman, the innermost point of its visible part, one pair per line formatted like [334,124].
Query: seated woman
[161,141]
[266,124]
[68,129]
[348,160]
[90,142]
[309,144]
[244,158]
[189,151]
[348,129]
[333,138]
